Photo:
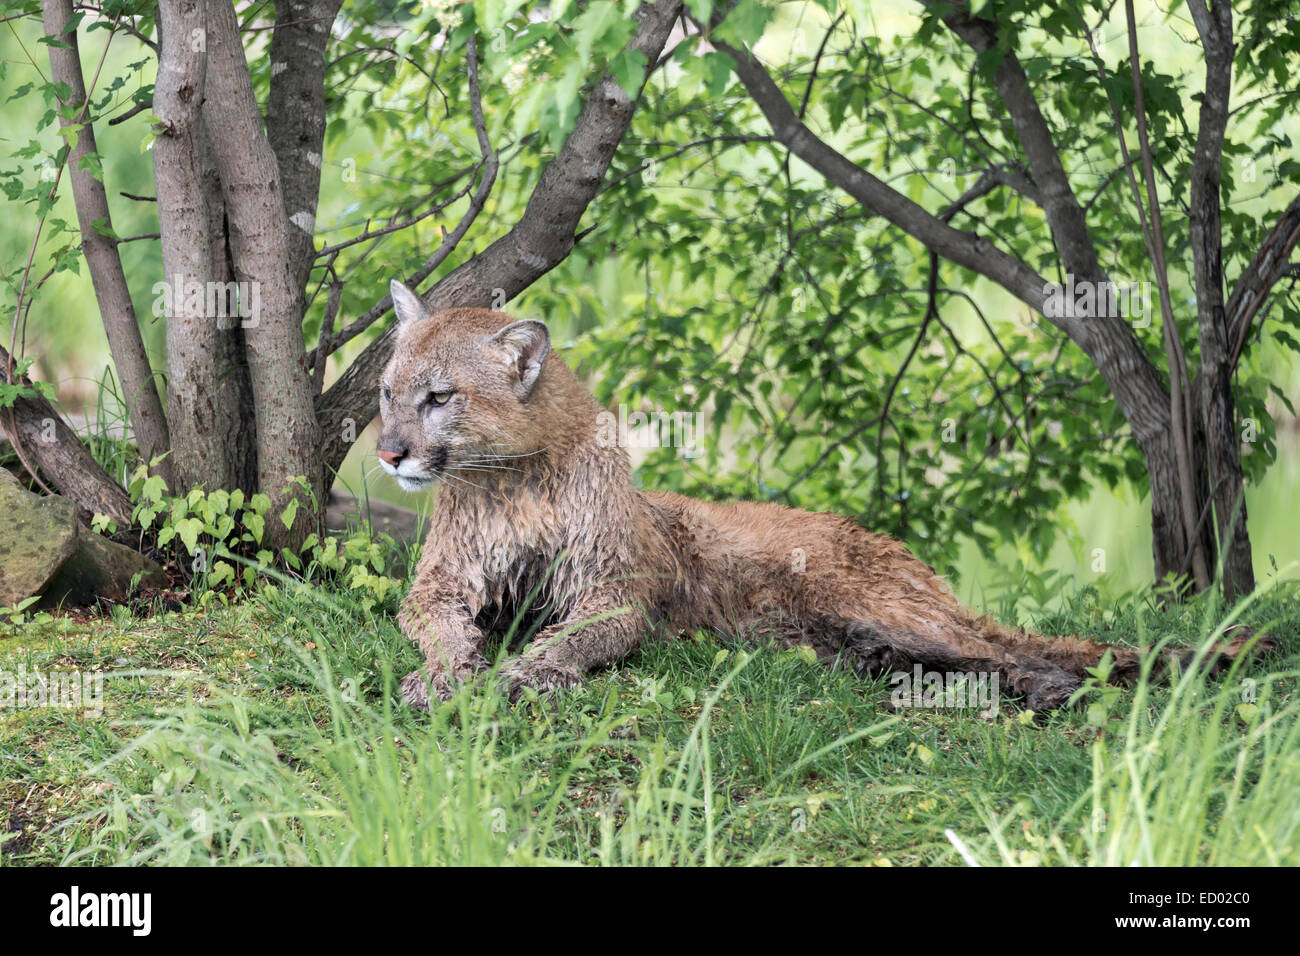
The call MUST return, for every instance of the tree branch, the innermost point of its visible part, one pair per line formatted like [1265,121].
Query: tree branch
[107,276]
[59,455]
[1064,214]
[133,111]
[990,180]
[965,249]
[1266,267]
[1107,340]
[931,313]
[367,234]
[329,341]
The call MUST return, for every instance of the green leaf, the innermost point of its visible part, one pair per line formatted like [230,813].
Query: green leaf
[102,227]
[629,69]
[188,530]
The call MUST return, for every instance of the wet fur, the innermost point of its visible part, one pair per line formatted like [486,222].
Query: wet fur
[550,509]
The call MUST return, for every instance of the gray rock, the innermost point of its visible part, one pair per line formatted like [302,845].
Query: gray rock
[45,550]
[37,535]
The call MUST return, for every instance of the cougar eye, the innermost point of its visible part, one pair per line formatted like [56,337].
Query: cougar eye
[440,398]
[383,390]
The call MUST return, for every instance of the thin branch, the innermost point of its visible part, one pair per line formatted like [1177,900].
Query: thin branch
[989,180]
[1259,99]
[368,233]
[327,324]
[931,313]
[817,62]
[730,140]
[1105,184]
[133,111]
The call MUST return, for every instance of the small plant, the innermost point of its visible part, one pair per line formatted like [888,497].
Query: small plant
[1105,696]
[16,614]
[213,532]
[10,393]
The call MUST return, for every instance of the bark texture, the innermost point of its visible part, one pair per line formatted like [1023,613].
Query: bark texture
[1216,406]
[238,428]
[60,457]
[193,349]
[95,221]
[288,438]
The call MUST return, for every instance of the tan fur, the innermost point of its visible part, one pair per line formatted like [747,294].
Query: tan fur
[530,499]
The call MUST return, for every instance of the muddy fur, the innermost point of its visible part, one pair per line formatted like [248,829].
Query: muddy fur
[530,502]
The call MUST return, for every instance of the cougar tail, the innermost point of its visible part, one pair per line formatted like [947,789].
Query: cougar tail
[1076,654]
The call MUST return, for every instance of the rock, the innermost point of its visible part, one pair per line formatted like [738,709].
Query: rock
[37,535]
[45,550]
[100,568]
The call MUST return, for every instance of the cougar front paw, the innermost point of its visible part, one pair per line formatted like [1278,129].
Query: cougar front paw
[542,677]
[416,685]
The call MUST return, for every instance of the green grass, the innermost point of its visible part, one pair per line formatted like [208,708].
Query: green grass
[270,732]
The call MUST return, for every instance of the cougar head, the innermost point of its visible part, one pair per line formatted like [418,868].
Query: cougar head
[461,392]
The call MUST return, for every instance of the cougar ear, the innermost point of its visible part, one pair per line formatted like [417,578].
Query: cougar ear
[406,303]
[527,343]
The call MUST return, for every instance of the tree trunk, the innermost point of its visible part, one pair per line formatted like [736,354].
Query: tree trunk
[288,437]
[1213,394]
[1226,485]
[111,291]
[295,117]
[198,456]
[234,395]
[1170,544]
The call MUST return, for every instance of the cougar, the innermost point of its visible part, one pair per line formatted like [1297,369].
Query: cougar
[537,515]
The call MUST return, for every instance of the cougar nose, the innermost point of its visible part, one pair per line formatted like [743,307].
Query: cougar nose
[392,457]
